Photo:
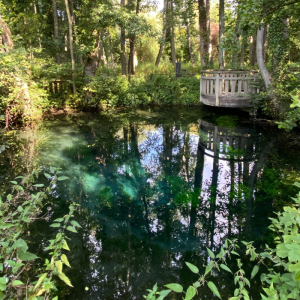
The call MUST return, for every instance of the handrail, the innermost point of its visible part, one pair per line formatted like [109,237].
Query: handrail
[217,86]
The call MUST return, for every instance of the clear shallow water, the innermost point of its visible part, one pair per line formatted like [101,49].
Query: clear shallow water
[156,187]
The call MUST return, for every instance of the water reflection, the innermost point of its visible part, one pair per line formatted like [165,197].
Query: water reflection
[155,193]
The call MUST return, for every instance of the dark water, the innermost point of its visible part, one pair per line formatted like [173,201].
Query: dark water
[156,187]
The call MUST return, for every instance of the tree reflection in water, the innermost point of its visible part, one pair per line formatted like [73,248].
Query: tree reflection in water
[155,194]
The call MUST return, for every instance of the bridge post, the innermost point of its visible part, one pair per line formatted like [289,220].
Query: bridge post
[217,86]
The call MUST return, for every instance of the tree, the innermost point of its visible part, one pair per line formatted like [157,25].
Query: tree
[204,31]
[221,32]
[56,36]
[70,22]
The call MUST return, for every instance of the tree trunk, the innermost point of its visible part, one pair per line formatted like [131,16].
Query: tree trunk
[209,44]
[172,37]
[242,57]
[132,53]
[123,46]
[237,38]
[162,45]
[56,37]
[252,52]
[110,49]
[71,45]
[203,33]
[35,11]
[173,51]
[189,34]
[221,33]
[6,39]
[260,57]
[100,51]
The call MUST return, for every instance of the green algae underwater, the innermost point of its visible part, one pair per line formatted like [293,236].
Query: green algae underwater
[156,187]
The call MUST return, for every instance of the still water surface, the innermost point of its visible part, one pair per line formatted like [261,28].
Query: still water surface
[156,187]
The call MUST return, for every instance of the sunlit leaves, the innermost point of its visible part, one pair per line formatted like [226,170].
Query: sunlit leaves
[175,287]
[214,289]
[192,267]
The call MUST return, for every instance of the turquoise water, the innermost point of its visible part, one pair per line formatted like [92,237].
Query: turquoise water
[156,187]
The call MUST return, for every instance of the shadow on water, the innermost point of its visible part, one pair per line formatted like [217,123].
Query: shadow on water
[155,189]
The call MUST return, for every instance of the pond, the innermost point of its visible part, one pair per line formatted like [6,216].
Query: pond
[156,187]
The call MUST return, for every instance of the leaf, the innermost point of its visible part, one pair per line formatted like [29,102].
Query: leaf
[3,281]
[21,244]
[61,178]
[193,268]
[17,282]
[26,256]
[65,260]
[213,288]
[233,252]
[224,267]
[17,267]
[175,287]
[59,266]
[209,267]
[1,267]
[254,271]
[163,294]
[38,185]
[55,225]
[190,293]
[47,175]
[6,225]
[65,245]
[74,223]
[70,228]
[58,220]
[211,254]
[65,279]
[297,184]
[14,182]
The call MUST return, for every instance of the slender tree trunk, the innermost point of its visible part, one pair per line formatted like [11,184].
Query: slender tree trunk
[189,34]
[252,52]
[71,45]
[260,57]
[162,45]
[237,38]
[221,33]
[203,33]
[35,11]
[209,44]
[123,46]
[56,36]
[132,53]
[100,50]
[172,37]
[242,57]
[110,49]
[173,50]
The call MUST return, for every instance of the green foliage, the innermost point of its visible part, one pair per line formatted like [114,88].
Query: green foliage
[17,209]
[20,96]
[112,91]
[279,283]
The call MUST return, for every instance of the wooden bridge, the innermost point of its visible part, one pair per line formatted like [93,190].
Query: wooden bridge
[229,88]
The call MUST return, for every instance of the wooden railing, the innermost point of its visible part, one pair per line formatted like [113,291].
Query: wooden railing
[227,88]
[55,87]
[230,143]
